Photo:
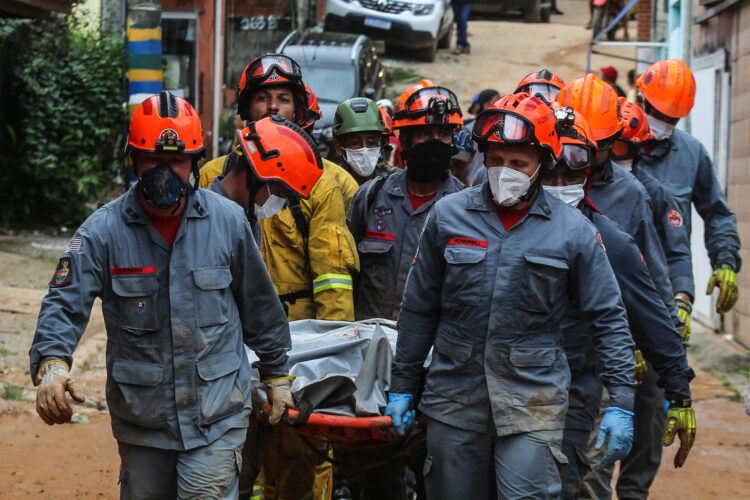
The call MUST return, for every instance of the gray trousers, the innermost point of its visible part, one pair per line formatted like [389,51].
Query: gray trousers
[639,468]
[466,464]
[208,472]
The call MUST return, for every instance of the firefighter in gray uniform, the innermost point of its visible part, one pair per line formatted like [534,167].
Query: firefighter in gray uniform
[499,267]
[387,214]
[183,287]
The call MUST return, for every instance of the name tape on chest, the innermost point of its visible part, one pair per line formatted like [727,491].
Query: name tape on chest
[379,235]
[134,270]
[469,242]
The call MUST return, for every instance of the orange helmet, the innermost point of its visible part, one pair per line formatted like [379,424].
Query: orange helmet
[427,105]
[272,70]
[578,144]
[669,86]
[596,101]
[518,119]
[312,110]
[543,84]
[387,121]
[165,123]
[279,150]
[635,130]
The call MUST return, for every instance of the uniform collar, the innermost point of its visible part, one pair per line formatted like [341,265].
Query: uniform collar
[133,211]
[396,185]
[481,200]
[606,175]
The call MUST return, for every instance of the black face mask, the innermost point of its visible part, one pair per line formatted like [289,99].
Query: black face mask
[429,161]
[162,187]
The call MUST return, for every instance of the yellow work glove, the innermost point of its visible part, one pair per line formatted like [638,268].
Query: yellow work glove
[641,368]
[726,279]
[684,309]
[680,422]
[51,403]
[279,392]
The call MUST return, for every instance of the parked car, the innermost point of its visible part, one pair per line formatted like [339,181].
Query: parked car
[424,25]
[533,11]
[336,66]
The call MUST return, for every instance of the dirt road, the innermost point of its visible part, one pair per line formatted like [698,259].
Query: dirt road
[79,461]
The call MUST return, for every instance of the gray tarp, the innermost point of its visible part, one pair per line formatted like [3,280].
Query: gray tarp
[341,367]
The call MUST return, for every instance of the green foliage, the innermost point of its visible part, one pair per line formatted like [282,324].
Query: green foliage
[13,393]
[62,130]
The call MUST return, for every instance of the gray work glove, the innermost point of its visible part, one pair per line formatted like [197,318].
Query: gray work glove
[51,402]
[279,391]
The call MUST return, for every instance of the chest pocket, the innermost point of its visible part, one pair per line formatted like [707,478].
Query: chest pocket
[464,273]
[137,302]
[281,229]
[545,282]
[213,295]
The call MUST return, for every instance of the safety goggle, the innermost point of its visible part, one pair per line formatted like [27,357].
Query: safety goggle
[576,156]
[547,92]
[273,67]
[624,149]
[436,103]
[506,126]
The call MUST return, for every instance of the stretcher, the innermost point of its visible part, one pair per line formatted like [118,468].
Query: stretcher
[350,432]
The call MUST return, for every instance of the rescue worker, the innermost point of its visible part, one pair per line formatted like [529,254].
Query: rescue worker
[360,139]
[499,267]
[177,313]
[619,196]
[667,218]
[666,92]
[650,322]
[481,101]
[387,215]
[543,83]
[307,248]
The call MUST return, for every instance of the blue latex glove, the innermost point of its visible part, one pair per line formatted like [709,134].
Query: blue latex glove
[398,409]
[463,141]
[617,429]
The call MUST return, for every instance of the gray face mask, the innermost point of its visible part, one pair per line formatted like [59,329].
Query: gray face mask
[572,194]
[363,161]
[661,129]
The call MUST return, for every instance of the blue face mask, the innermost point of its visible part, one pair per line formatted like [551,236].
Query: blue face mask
[161,186]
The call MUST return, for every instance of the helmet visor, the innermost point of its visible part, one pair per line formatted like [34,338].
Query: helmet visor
[507,127]
[436,103]
[623,149]
[575,156]
[545,91]
[272,67]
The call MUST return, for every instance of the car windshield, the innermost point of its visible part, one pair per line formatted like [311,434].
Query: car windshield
[332,84]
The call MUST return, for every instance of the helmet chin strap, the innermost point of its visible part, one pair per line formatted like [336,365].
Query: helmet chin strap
[534,188]
[252,190]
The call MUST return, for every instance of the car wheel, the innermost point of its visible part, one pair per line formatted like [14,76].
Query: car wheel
[445,41]
[533,13]
[428,54]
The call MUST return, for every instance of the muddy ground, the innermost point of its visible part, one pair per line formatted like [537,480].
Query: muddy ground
[79,461]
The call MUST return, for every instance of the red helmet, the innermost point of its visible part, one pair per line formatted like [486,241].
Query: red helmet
[578,145]
[267,71]
[278,150]
[635,130]
[427,105]
[519,119]
[543,84]
[312,110]
[165,123]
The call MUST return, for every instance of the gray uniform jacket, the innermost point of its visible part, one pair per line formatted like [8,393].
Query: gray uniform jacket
[492,302]
[683,165]
[619,196]
[673,233]
[176,319]
[387,237]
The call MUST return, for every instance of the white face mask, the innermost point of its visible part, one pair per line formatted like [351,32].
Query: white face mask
[661,129]
[572,194]
[508,185]
[363,160]
[271,207]
[626,164]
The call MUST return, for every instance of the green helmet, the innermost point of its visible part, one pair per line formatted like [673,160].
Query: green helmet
[358,114]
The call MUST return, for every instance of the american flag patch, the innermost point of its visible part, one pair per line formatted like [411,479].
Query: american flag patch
[74,245]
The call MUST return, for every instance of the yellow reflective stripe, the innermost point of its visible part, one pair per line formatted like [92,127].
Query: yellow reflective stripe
[332,281]
[288,377]
[332,286]
[53,361]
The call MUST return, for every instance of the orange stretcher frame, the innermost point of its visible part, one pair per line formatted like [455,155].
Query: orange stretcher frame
[350,432]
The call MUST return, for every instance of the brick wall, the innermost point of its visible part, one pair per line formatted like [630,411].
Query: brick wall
[645,14]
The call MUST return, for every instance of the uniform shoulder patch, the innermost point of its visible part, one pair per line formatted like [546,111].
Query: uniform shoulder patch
[62,273]
[74,245]
[674,218]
